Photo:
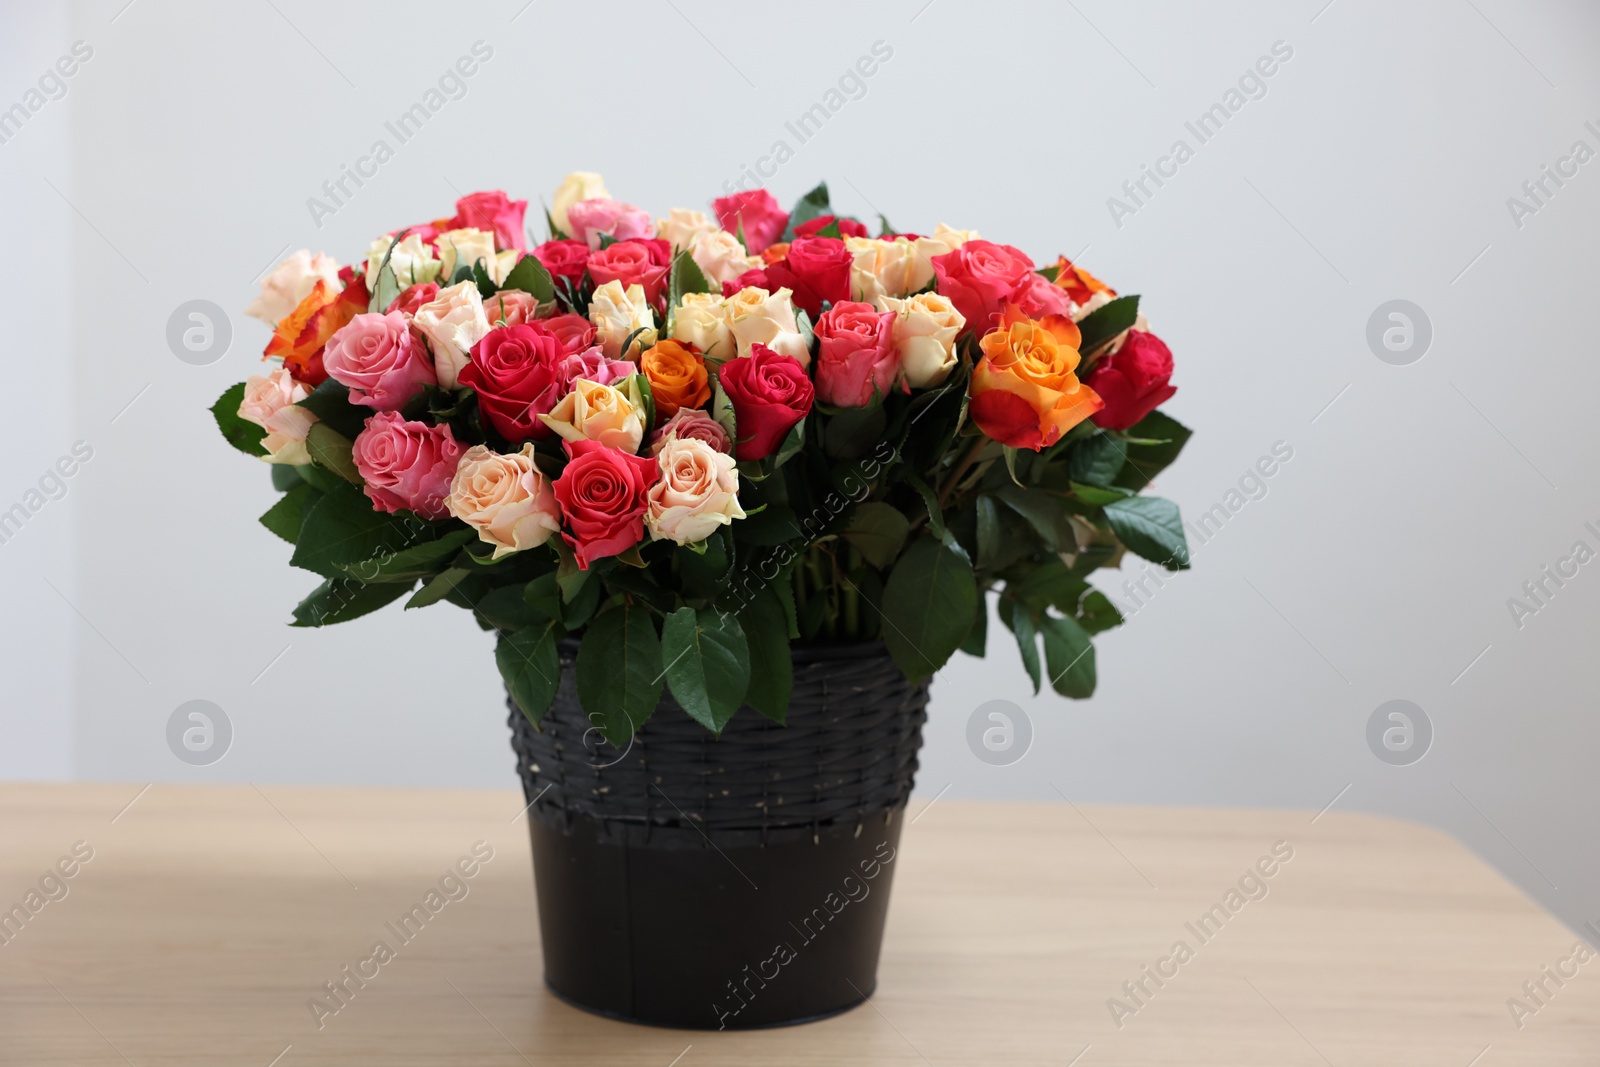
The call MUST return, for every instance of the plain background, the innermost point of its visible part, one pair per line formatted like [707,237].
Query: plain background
[1377,166]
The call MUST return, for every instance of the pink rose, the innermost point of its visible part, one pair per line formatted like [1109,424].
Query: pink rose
[564,259]
[643,263]
[510,307]
[1036,297]
[856,356]
[691,425]
[763,219]
[380,359]
[412,297]
[575,332]
[603,495]
[407,465]
[492,211]
[622,222]
[978,278]
[592,365]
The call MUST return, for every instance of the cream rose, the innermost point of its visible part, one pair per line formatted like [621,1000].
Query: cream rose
[698,492]
[270,402]
[413,262]
[291,282]
[468,246]
[681,226]
[702,320]
[579,185]
[504,263]
[755,315]
[925,328]
[721,257]
[944,240]
[616,313]
[505,498]
[881,268]
[453,321]
[605,413]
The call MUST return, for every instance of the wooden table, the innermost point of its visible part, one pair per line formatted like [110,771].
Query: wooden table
[208,917]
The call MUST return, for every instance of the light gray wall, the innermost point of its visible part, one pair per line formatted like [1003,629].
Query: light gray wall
[1377,166]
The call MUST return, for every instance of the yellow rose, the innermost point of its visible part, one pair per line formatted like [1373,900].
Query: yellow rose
[702,320]
[579,185]
[757,316]
[604,413]
[616,313]
[881,268]
[925,329]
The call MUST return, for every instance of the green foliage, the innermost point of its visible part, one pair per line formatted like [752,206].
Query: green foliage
[708,664]
[619,671]
[239,432]
[530,276]
[927,606]
[343,599]
[1152,528]
[1106,321]
[810,206]
[530,665]
[284,517]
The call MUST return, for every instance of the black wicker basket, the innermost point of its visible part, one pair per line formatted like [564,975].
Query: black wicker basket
[696,881]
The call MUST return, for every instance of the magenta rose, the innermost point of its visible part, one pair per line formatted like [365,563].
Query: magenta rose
[564,259]
[643,263]
[815,270]
[856,355]
[407,465]
[847,227]
[1133,382]
[1036,297]
[516,372]
[690,424]
[978,278]
[770,393]
[380,359]
[602,493]
[496,212]
[413,297]
[763,220]
[588,219]
[592,365]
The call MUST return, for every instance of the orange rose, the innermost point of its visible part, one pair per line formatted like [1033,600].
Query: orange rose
[1079,283]
[1024,392]
[775,253]
[677,376]
[300,337]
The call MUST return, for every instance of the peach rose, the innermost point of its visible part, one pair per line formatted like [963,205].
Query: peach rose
[505,498]
[1024,392]
[270,402]
[579,185]
[721,257]
[291,282]
[681,226]
[510,307]
[617,313]
[677,377]
[881,268]
[606,413]
[698,491]
[689,423]
[925,329]
[701,320]
[756,316]
[453,321]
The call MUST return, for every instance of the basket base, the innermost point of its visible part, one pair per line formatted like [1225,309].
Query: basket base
[713,938]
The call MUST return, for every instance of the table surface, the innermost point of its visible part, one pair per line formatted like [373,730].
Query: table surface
[209,916]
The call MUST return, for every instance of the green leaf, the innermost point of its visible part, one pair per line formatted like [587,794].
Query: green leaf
[1044,513]
[439,586]
[284,476]
[1096,496]
[503,608]
[342,527]
[1027,636]
[1147,461]
[1051,582]
[927,606]
[1105,322]
[879,530]
[320,480]
[1096,613]
[989,533]
[792,443]
[486,286]
[530,665]
[708,664]
[931,500]
[830,230]
[543,595]
[343,599]
[766,630]
[1050,273]
[850,433]
[619,671]
[809,207]
[1069,657]
[530,276]
[331,450]
[1150,527]
[884,229]
[686,277]
[409,564]
[330,402]
[1096,460]
[977,640]
[240,432]
[1011,464]
[284,517]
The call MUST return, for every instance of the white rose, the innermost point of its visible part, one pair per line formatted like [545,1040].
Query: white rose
[702,320]
[682,226]
[721,257]
[271,403]
[757,316]
[452,322]
[291,282]
[944,240]
[466,246]
[616,313]
[504,263]
[925,329]
[579,185]
[505,498]
[413,262]
[698,492]
[881,268]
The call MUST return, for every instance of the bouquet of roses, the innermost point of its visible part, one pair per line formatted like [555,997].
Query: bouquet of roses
[689,442]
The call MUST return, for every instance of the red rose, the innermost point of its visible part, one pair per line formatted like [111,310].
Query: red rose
[413,297]
[638,262]
[770,393]
[575,332]
[978,277]
[817,269]
[603,496]
[1036,297]
[756,278]
[516,372]
[847,227]
[856,355]
[568,259]
[495,212]
[1133,381]
[763,219]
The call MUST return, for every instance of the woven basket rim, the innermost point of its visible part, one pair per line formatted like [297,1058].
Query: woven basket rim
[800,652]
